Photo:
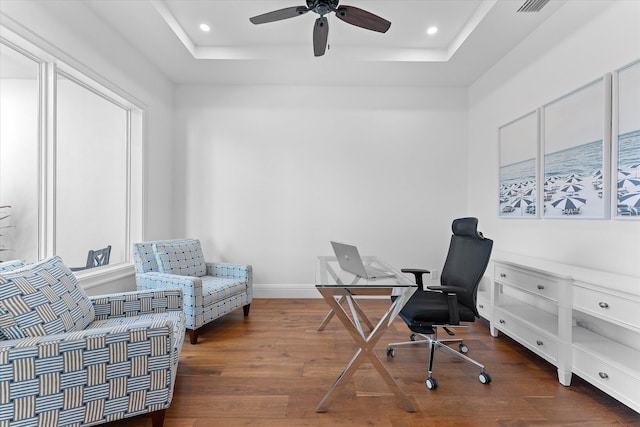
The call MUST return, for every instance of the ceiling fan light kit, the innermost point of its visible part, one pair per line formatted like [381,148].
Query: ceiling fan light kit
[349,14]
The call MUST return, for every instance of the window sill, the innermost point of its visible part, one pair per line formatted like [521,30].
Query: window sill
[100,276]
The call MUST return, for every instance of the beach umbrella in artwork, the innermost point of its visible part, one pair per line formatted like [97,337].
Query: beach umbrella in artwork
[623,175]
[573,180]
[521,202]
[571,188]
[569,202]
[636,168]
[631,199]
[628,183]
[597,174]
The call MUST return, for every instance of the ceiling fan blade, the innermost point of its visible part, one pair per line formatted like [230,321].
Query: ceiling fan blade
[362,18]
[278,15]
[320,36]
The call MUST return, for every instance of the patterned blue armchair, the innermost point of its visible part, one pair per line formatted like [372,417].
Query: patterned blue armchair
[210,290]
[67,359]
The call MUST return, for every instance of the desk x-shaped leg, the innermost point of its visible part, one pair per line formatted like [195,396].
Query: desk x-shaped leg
[365,344]
[358,309]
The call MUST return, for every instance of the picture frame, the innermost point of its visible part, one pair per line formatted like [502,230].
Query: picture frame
[626,143]
[576,153]
[518,192]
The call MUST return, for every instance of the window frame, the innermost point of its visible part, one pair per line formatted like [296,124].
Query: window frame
[50,66]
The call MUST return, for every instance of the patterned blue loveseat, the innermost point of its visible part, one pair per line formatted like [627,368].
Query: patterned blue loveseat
[67,359]
[210,290]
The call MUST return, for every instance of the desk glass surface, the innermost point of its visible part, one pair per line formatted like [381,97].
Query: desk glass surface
[330,275]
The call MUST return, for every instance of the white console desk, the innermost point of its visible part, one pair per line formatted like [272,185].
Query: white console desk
[585,322]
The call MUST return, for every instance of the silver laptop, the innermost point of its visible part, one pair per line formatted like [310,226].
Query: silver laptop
[349,260]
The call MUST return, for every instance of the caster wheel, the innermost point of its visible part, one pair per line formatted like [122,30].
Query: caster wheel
[484,378]
[390,352]
[431,383]
[463,348]
[412,337]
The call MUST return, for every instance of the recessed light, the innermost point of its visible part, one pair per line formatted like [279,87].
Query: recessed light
[204,27]
[432,30]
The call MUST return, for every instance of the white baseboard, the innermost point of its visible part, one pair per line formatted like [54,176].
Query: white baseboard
[307,290]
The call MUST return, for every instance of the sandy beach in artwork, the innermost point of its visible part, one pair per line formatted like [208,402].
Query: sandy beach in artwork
[572,195]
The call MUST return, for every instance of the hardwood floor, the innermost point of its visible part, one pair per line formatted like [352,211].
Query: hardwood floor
[272,369]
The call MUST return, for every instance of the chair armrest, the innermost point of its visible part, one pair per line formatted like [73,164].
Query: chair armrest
[135,303]
[417,273]
[83,358]
[452,300]
[448,289]
[231,271]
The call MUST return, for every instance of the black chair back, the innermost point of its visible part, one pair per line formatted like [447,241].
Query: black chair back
[467,260]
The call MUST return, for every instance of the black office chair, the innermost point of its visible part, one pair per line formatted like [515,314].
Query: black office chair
[96,258]
[454,301]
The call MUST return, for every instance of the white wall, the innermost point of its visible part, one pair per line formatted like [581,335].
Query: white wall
[524,80]
[270,174]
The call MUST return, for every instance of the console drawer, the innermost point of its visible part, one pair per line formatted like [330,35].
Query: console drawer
[606,377]
[530,282]
[484,308]
[605,305]
[539,343]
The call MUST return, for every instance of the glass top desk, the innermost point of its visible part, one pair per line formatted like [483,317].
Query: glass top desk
[337,286]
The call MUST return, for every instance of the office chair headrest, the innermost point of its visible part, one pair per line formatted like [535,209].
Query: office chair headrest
[466,227]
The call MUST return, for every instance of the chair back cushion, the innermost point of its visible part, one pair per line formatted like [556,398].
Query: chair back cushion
[40,299]
[467,260]
[11,265]
[144,257]
[183,258]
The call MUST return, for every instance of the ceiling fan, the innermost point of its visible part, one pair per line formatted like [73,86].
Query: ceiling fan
[349,14]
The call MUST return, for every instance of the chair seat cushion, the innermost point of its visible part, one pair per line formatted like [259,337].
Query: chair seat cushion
[183,258]
[216,289]
[40,299]
[425,309]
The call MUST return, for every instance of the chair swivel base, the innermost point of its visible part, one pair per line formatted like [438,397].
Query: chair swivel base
[434,343]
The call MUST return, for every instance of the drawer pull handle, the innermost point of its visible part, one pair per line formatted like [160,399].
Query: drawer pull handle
[603,305]
[539,342]
[503,275]
[502,321]
[603,375]
[540,287]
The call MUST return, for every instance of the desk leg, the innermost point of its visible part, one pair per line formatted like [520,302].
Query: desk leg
[365,351]
[329,315]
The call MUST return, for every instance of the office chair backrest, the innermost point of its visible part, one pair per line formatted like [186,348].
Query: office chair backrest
[467,260]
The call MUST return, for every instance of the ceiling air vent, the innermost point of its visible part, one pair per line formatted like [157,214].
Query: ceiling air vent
[533,5]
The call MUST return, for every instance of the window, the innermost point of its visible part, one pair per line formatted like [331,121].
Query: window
[70,160]
[90,173]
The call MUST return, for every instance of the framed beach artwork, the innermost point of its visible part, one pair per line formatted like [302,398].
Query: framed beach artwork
[576,153]
[518,189]
[626,143]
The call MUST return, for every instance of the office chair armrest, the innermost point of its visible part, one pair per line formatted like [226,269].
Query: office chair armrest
[448,289]
[417,273]
[452,300]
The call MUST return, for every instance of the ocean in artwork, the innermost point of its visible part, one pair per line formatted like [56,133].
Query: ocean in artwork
[573,181]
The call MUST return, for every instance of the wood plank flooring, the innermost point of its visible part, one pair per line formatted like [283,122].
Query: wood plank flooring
[272,368]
